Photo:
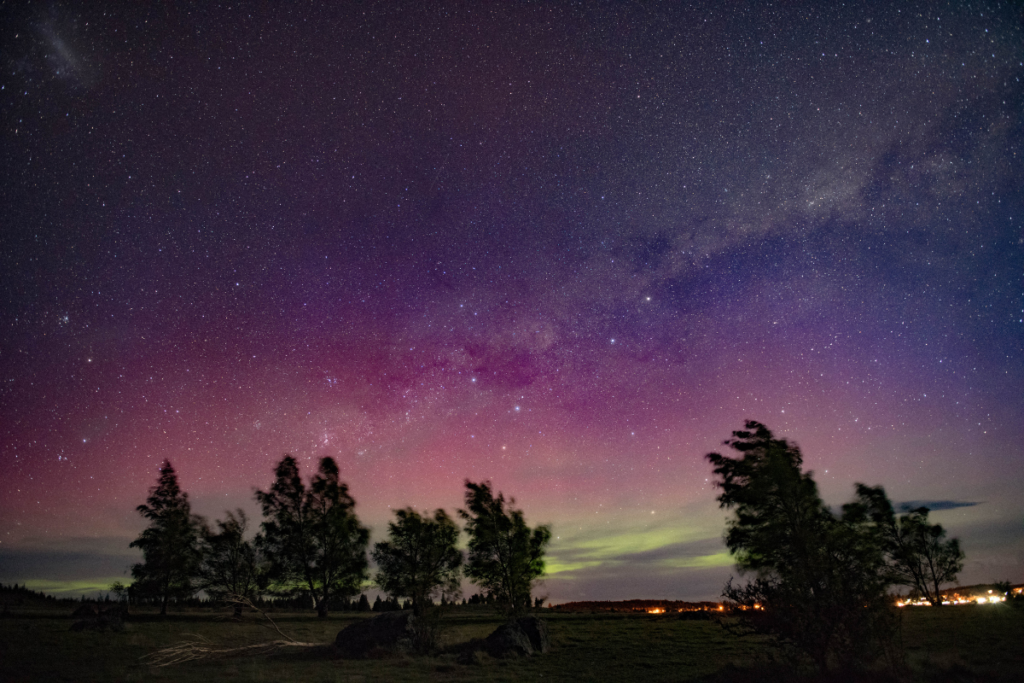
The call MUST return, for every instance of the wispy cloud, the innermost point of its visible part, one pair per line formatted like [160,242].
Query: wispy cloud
[935,505]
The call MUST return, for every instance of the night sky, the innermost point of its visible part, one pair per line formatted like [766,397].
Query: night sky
[567,247]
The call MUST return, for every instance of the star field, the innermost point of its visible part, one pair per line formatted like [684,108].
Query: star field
[567,248]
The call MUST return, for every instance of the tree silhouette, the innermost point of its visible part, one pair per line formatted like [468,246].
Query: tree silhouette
[820,580]
[919,555]
[313,537]
[419,559]
[232,565]
[505,555]
[170,545]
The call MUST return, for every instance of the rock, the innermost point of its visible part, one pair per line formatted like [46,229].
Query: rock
[537,631]
[390,632]
[87,611]
[101,623]
[471,656]
[97,619]
[86,625]
[519,637]
[112,619]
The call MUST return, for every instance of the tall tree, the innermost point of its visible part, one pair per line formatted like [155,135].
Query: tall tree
[505,555]
[919,554]
[233,566]
[313,537]
[420,558]
[170,545]
[820,580]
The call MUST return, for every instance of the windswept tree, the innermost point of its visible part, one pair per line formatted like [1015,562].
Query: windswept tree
[170,545]
[819,580]
[505,555]
[233,566]
[312,536]
[420,559]
[919,554]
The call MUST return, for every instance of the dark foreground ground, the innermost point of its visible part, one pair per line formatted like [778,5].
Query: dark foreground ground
[967,643]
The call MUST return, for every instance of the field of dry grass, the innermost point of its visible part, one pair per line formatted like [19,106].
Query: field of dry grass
[983,643]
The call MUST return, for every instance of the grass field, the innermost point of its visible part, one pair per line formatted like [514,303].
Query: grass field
[964,643]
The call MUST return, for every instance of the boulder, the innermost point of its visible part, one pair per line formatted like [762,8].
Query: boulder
[519,637]
[101,623]
[472,653]
[99,619]
[390,632]
[537,631]
[87,611]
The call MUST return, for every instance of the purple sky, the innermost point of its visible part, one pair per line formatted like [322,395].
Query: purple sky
[567,248]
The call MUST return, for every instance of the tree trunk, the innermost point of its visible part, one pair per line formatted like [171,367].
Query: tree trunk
[163,605]
[321,609]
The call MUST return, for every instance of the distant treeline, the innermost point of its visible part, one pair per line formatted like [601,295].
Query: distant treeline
[301,602]
[636,606]
[15,595]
